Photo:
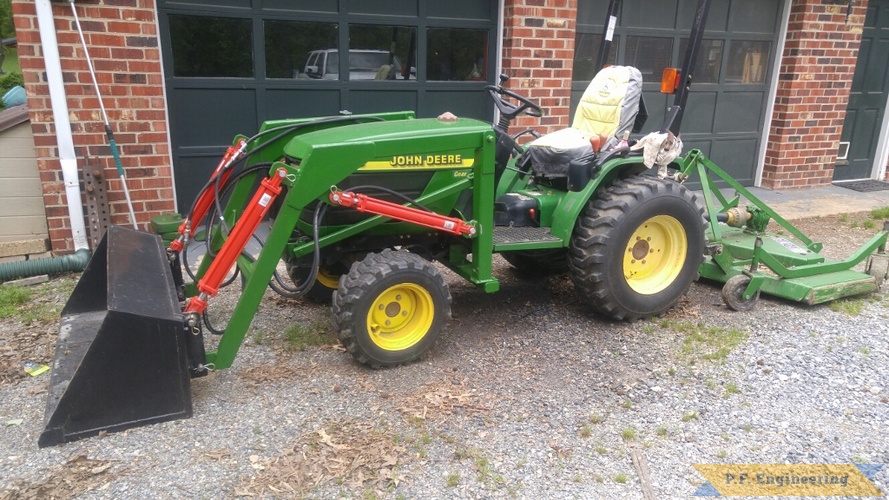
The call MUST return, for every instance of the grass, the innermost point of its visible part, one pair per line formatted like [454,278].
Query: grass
[585,431]
[597,419]
[621,478]
[11,300]
[731,388]
[484,472]
[300,337]
[628,434]
[852,307]
[709,342]
[661,431]
[689,416]
[453,479]
[35,303]
[880,213]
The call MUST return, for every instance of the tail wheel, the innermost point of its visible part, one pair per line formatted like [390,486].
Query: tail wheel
[390,308]
[733,293]
[636,248]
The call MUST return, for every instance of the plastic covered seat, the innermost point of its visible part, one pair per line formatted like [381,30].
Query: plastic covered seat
[608,107]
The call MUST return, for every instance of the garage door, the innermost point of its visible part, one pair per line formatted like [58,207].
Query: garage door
[231,64]
[726,109]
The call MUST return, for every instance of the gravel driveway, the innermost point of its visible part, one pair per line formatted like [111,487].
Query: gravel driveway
[527,395]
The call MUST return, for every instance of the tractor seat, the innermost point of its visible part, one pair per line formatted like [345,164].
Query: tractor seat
[608,107]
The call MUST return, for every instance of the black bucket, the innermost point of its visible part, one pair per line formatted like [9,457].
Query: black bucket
[121,359]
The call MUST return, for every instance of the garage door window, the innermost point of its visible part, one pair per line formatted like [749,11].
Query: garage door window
[649,54]
[708,62]
[747,61]
[380,52]
[587,50]
[456,54]
[214,47]
[289,45]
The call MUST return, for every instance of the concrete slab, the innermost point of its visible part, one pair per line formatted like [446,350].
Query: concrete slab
[29,281]
[818,201]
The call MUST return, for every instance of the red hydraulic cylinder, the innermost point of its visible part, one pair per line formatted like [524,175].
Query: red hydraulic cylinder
[205,200]
[253,214]
[364,203]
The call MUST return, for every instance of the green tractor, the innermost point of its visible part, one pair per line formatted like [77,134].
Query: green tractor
[362,208]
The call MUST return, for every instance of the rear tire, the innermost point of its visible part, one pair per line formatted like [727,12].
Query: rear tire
[637,247]
[325,283]
[390,308]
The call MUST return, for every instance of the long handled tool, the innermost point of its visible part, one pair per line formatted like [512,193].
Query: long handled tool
[108,131]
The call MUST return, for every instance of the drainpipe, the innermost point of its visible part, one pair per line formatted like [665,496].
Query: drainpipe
[76,261]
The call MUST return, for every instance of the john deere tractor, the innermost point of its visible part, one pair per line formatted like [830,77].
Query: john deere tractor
[363,209]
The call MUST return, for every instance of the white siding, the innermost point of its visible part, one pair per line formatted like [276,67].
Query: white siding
[22,214]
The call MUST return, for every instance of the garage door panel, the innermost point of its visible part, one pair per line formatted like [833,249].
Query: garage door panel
[385,7]
[302,103]
[193,167]
[329,6]
[241,4]
[738,112]
[460,9]
[737,157]
[374,101]
[699,113]
[717,18]
[754,16]
[205,115]
[655,15]
[470,103]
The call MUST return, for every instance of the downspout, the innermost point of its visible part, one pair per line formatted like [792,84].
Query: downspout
[76,261]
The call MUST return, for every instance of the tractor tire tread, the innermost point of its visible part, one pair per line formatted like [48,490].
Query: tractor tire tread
[589,251]
[375,267]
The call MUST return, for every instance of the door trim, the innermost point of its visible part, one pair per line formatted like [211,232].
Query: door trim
[881,155]
[773,95]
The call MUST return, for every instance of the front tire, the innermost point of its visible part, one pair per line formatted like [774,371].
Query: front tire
[390,308]
[637,247]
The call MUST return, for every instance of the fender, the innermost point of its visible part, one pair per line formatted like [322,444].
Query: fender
[573,202]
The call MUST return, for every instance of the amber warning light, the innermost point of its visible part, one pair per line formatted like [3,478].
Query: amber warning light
[670,81]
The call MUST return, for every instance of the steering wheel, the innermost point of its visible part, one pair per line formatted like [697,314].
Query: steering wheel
[508,109]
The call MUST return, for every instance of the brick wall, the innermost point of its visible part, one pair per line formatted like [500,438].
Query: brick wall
[538,54]
[123,43]
[813,91]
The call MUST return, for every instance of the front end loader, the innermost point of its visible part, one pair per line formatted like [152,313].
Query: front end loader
[360,209]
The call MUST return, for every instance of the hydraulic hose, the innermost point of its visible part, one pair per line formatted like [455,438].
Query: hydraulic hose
[67,263]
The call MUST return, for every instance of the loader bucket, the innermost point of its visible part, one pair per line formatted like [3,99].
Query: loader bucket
[121,357]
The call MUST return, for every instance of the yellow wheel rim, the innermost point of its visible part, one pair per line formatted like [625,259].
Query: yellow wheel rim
[328,279]
[400,317]
[655,254]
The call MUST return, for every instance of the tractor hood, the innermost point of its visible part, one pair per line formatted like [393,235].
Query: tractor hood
[411,144]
